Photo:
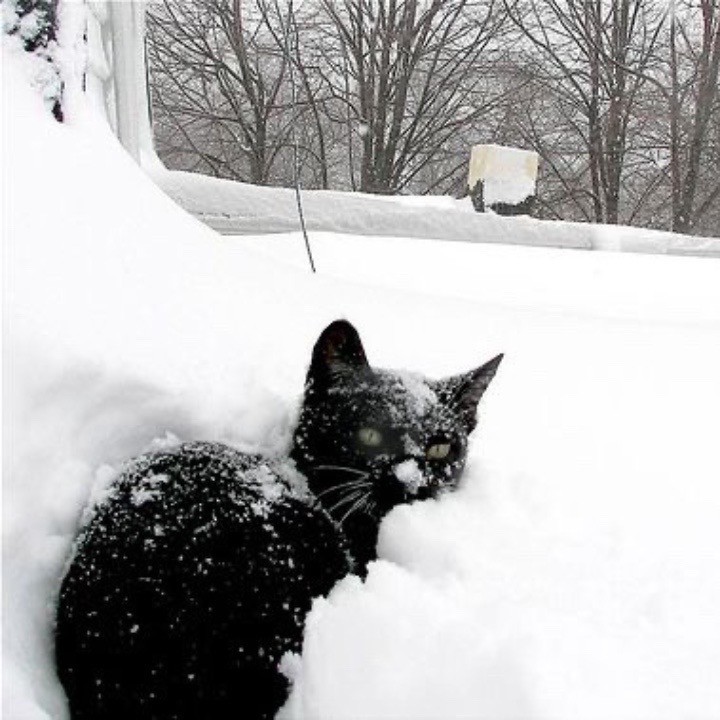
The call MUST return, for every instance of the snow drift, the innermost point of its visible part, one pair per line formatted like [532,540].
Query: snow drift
[576,574]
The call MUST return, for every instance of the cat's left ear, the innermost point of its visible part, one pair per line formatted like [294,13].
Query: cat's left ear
[337,351]
[464,391]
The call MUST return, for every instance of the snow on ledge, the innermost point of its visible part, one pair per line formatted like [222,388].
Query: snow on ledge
[234,208]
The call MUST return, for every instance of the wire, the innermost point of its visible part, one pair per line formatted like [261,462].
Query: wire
[287,25]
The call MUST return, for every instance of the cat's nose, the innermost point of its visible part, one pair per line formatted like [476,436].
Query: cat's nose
[410,475]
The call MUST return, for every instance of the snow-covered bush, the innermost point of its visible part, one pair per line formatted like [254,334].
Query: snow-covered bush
[34,23]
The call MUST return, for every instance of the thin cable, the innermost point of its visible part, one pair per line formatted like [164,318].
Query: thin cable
[290,22]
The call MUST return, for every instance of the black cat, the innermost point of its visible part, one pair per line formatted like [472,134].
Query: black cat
[194,576]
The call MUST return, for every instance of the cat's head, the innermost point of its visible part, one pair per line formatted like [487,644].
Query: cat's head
[370,439]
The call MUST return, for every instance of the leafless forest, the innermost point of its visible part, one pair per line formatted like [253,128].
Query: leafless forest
[620,98]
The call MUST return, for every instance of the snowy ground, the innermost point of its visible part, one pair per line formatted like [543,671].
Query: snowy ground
[576,574]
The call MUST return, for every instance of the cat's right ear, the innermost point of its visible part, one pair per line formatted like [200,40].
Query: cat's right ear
[337,352]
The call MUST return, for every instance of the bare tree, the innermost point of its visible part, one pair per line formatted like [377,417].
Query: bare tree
[218,80]
[594,58]
[694,60]
[619,97]
[408,77]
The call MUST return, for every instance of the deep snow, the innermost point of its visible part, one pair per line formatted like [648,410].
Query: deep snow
[576,574]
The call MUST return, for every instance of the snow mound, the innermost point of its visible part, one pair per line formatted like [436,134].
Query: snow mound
[576,573]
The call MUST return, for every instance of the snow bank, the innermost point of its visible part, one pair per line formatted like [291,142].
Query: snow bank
[240,209]
[576,572]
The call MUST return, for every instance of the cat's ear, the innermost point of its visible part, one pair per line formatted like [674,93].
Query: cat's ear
[463,392]
[337,351]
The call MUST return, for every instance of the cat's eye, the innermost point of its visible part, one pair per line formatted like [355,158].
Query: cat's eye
[438,451]
[370,437]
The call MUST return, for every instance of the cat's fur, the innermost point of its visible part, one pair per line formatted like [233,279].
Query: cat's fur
[194,576]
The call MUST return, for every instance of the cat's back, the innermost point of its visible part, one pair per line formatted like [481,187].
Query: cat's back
[201,564]
[185,494]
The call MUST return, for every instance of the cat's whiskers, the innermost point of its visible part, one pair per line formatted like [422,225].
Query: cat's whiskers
[358,504]
[343,486]
[349,498]
[342,468]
